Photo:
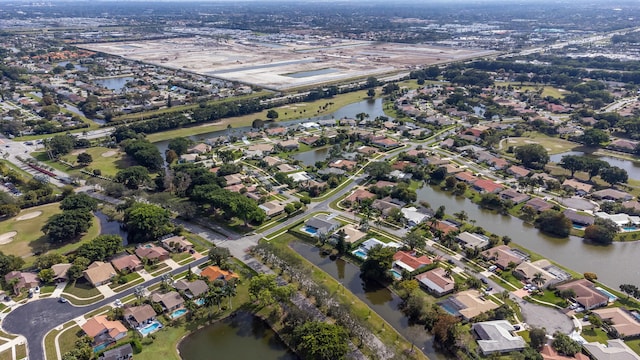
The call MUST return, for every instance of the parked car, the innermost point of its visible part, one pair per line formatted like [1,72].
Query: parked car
[492,268]
[62,300]
[484,281]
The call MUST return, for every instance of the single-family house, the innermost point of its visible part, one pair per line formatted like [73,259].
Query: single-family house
[466,177]
[289,144]
[272,160]
[548,353]
[169,301]
[414,215]
[385,143]
[358,195]
[104,331]
[213,273]
[321,224]
[623,145]
[137,316]
[176,243]
[127,263]
[367,245]
[527,271]
[188,158]
[436,281]
[408,261]
[272,208]
[498,163]
[497,337]
[60,272]
[443,226]
[471,303]
[518,171]
[452,169]
[21,280]
[200,149]
[367,150]
[514,196]
[347,165]
[351,234]
[263,148]
[579,219]
[192,289]
[580,187]
[123,352]
[539,205]
[615,349]
[612,194]
[276,131]
[586,293]
[625,323]
[152,252]
[233,179]
[474,240]
[487,186]
[309,140]
[503,256]
[99,273]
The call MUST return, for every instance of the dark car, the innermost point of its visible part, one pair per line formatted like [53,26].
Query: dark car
[450,261]
[484,281]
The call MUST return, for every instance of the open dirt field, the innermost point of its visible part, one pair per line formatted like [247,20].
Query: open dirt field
[284,65]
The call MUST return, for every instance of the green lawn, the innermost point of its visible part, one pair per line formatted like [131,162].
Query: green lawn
[131,280]
[21,351]
[553,145]
[6,355]
[109,161]
[634,344]
[68,338]
[30,239]
[81,289]
[49,341]
[596,335]
[286,112]
[550,297]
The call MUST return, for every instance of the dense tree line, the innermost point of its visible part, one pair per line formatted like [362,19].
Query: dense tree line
[144,153]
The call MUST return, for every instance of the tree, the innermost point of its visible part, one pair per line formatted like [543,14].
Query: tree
[440,212]
[594,166]
[170,156]
[379,169]
[79,201]
[179,145]
[60,145]
[272,114]
[133,177]
[85,158]
[9,263]
[444,331]
[554,222]
[371,93]
[378,262]
[538,337]
[614,175]
[371,82]
[572,163]
[628,289]
[595,321]
[46,275]
[594,137]
[534,156]
[100,248]
[318,340]
[538,279]
[147,222]
[602,231]
[68,225]
[79,265]
[565,345]
[591,276]
[47,260]
[219,255]
[415,240]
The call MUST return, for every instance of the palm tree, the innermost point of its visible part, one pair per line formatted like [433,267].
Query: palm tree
[538,279]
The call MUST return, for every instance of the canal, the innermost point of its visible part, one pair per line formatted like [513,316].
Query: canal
[378,298]
[242,336]
[615,264]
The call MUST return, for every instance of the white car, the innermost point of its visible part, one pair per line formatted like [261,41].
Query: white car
[117,303]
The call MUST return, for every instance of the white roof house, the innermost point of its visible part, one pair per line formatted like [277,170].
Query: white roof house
[621,220]
[497,337]
[615,349]
[413,215]
[472,240]
[299,176]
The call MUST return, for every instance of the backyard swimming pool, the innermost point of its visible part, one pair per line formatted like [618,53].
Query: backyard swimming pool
[199,302]
[176,314]
[310,230]
[154,326]
[100,347]
[361,254]
[396,274]
[604,292]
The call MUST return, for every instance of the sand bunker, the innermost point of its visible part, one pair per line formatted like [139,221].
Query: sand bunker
[78,151]
[109,153]
[7,237]
[28,216]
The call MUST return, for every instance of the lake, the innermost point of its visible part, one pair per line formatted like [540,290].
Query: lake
[115,83]
[239,337]
[108,227]
[632,167]
[309,158]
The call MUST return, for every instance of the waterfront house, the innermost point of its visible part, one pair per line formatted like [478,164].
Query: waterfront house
[436,281]
[137,316]
[497,337]
[169,301]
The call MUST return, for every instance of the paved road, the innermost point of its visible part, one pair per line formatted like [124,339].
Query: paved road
[33,320]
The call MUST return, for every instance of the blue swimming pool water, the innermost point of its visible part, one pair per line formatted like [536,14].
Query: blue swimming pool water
[199,302]
[150,328]
[310,230]
[396,274]
[629,228]
[178,313]
[604,292]
[450,308]
[361,254]
[100,347]
[578,227]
